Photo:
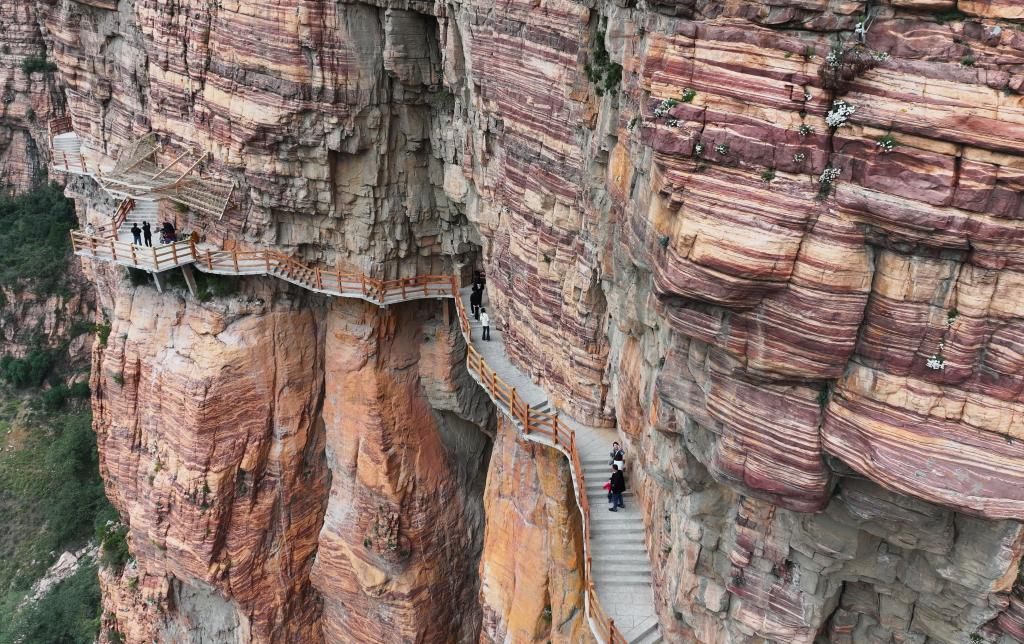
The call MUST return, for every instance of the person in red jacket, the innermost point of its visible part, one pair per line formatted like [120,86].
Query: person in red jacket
[618,482]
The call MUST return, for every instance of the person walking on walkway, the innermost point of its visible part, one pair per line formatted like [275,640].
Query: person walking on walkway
[147,233]
[136,234]
[485,322]
[618,486]
[475,300]
[618,457]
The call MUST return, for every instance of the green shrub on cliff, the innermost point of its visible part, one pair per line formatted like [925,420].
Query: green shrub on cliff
[603,73]
[34,239]
[37,63]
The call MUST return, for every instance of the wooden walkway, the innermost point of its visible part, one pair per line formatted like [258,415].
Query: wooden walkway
[618,601]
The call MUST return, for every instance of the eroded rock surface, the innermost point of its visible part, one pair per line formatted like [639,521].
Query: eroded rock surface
[819,381]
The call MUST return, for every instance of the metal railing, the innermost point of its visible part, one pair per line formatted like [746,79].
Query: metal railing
[538,426]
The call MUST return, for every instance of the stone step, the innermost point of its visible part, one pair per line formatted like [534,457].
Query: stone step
[615,579]
[649,635]
[636,557]
[615,537]
[608,566]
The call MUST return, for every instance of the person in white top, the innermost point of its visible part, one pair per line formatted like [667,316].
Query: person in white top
[485,321]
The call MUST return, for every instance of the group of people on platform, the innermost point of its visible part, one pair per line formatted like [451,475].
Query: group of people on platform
[167,234]
[476,299]
[616,485]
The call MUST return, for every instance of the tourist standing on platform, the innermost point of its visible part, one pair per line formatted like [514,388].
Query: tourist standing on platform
[618,486]
[136,235]
[475,300]
[147,233]
[485,322]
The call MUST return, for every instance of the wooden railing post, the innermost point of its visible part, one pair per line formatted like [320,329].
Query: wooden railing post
[156,260]
[319,281]
[174,252]
[135,260]
[113,249]
[234,256]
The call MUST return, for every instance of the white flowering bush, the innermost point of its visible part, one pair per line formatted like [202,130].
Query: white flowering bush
[799,156]
[665,106]
[879,55]
[840,113]
[936,362]
[826,180]
[805,130]
[672,122]
[834,57]
[722,148]
[887,143]
[807,96]
[698,149]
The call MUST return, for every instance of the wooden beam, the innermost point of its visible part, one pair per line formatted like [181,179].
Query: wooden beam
[191,168]
[173,163]
[190,279]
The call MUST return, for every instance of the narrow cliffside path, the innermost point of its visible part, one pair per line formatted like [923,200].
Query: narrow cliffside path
[621,569]
[619,602]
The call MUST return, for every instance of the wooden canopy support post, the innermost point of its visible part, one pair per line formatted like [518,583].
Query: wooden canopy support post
[159,282]
[445,312]
[190,279]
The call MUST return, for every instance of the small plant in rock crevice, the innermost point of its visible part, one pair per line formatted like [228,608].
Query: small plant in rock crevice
[768,176]
[887,143]
[664,107]
[688,95]
[826,182]
[805,130]
[698,149]
[722,148]
[844,64]
[799,157]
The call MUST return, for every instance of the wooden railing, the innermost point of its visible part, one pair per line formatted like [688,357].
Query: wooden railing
[536,425]
[109,231]
[151,258]
[60,125]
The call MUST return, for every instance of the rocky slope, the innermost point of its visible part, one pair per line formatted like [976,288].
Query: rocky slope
[802,314]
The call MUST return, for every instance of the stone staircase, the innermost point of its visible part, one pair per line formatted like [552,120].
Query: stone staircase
[622,569]
[144,210]
[67,154]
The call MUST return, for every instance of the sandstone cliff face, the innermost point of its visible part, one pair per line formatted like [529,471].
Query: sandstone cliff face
[29,98]
[530,572]
[765,342]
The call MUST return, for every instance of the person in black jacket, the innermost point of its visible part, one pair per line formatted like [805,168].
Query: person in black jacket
[147,233]
[618,482]
[475,300]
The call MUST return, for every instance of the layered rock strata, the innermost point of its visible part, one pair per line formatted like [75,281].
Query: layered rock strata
[803,317]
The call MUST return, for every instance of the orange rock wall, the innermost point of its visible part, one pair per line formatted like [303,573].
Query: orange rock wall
[530,571]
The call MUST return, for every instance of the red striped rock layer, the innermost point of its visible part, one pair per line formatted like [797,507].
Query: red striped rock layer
[528,166]
[29,100]
[206,420]
[245,439]
[743,257]
[739,299]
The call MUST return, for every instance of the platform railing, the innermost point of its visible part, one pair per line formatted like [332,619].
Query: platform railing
[538,426]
